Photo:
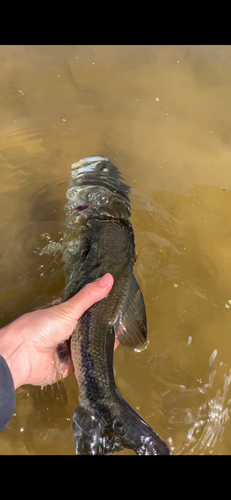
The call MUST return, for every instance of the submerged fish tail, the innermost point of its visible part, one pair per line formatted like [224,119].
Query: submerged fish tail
[104,422]
[113,427]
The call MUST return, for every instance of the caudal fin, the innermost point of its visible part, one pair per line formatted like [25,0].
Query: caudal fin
[113,427]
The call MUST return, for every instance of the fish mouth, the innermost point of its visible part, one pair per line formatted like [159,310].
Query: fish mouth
[89,163]
[81,208]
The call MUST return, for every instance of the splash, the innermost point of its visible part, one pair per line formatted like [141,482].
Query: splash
[217,417]
[210,419]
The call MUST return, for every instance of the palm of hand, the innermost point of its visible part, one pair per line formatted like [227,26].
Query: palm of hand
[42,331]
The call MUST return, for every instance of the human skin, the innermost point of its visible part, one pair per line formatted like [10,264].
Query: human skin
[29,344]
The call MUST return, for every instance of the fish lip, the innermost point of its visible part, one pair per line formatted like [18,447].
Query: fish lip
[88,164]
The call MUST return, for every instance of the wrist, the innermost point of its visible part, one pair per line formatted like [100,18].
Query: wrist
[12,348]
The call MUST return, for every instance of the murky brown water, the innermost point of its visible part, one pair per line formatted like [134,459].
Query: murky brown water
[163,116]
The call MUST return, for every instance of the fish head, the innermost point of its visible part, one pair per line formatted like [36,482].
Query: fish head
[99,166]
[97,188]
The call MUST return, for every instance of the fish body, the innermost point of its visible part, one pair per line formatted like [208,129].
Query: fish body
[99,238]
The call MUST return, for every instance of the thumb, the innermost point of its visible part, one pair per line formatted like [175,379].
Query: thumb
[73,308]
[71,311]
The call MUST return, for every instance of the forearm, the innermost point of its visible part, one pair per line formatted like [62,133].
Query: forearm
[7,394]
[11,349]
[11,369]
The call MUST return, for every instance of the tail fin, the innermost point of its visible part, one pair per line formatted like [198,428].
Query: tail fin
[111,428]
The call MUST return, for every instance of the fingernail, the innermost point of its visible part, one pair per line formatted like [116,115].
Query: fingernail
[105,280]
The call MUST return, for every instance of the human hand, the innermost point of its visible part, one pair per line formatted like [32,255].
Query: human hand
[29,344]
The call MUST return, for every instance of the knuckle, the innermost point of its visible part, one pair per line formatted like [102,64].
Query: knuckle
[87,291]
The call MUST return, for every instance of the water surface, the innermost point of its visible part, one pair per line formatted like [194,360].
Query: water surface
[162,114]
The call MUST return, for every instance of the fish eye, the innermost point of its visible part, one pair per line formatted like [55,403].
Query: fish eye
[104,168]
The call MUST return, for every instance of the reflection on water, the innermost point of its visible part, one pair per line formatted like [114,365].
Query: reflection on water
[163,116]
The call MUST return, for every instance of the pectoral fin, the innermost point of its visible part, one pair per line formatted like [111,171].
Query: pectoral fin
[131,324]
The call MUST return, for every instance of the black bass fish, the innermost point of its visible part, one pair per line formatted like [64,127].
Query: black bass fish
[99,238]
